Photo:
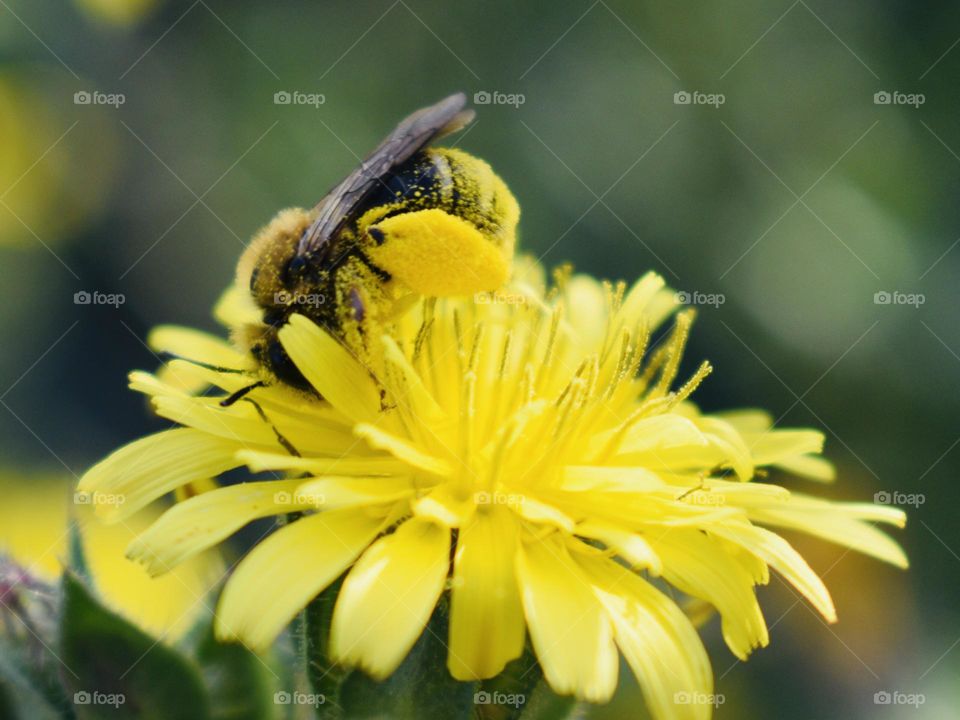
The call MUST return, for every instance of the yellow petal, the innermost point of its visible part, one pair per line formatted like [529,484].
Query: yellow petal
[784,448]
[195,345]
[243,424]
[402,450]
[238,422]
[811,467]
[585,300]
[748,420]
[702,567]
[731,446]
[350,491]
[658,641]
[540,513]
[570,631]
[142,471]
[167,607]
[284,572]
[349,465]
[388,597]
[412,393]
[486,617]
[448,504]
[630,546]
[845,524]
[637,301]
[778,445]
[651,436]
[336,374]
[780,555]
[585,478]
[204,520]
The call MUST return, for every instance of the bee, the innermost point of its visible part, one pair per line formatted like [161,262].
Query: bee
[412,221]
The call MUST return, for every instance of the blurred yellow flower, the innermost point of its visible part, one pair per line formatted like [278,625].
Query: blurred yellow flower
[44,151]
[523,449]
[34,531]
[117,12]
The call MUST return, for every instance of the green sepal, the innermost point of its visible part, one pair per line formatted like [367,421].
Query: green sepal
[421,687]
[29,668]
[76,558]
[505,696]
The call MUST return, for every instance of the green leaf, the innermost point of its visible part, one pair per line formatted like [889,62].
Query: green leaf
[115,670]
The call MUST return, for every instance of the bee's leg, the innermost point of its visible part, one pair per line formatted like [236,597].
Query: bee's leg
[167,356]
[287,445]
[233,397]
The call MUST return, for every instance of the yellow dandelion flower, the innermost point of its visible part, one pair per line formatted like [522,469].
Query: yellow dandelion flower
[530,451]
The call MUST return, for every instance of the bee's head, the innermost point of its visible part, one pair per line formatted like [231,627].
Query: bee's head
[269,265]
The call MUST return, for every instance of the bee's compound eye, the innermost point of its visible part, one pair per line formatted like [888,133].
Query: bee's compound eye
[377,235]
[279,360]
[254,274]
[296,266]
[284,368]
[275,317]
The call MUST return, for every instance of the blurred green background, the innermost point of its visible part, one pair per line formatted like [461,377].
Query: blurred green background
[797,199]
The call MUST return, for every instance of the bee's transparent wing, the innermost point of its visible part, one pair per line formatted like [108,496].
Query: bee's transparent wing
[412,134]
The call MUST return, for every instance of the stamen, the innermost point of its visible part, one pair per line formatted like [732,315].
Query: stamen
[679,341]
[693,383]
[426,326]
[547,362]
